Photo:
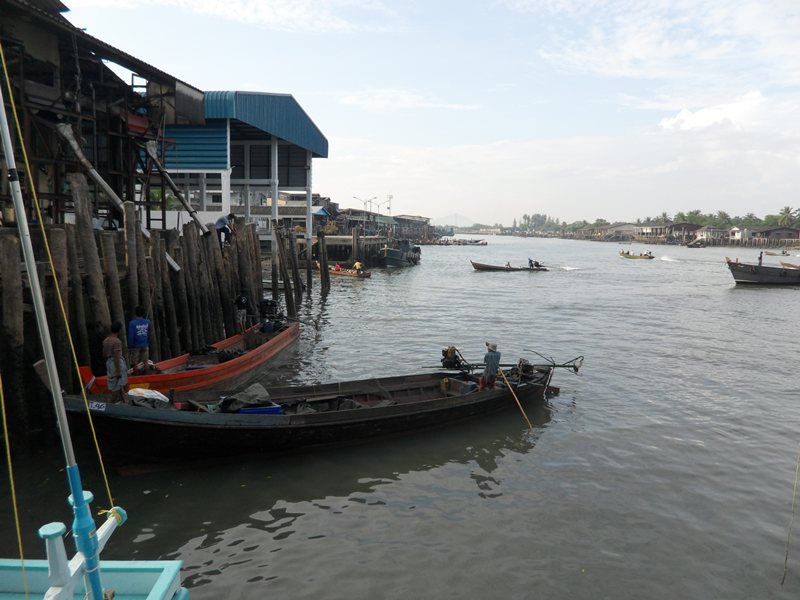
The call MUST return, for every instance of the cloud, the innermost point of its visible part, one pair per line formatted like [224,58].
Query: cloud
[740,113]
[397,99]
[678,40]
[583,177]
[284,15]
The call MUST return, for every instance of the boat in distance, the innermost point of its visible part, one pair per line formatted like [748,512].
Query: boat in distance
[345,271]
[350,273]
[230,363]
[303,417]
[484,267]
[401,253]
[645,256]
[761,274]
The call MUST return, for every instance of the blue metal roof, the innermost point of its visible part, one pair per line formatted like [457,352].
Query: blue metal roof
[196,147]
[276,114]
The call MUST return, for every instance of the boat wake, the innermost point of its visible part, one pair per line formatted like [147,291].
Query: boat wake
[567,268]
[668,259]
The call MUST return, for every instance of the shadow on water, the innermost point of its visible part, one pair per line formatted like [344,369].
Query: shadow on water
[171,504]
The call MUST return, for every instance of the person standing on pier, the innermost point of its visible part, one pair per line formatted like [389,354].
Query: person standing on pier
[116,369]
[139,330]
[492,363]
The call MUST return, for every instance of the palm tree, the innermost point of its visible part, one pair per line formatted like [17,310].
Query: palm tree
[786,216]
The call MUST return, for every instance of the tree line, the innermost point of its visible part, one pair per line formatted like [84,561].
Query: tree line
[787,217]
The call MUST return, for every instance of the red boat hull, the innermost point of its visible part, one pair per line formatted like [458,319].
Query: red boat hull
[175,375]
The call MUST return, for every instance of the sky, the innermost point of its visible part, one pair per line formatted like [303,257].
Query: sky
[580,109]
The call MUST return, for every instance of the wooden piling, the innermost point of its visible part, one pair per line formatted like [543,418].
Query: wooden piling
[57,238]
[159,318]
[80,336]
[324,274]
[184,312]
[244,282]
[190,258]
[99,316]
[295,264]
[13,334]
[218,282]
[112,283]
[170,312]
[145,293]
[309,263]
[291,311]
[131,257]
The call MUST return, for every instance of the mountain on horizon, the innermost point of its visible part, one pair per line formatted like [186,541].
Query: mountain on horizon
[455,219]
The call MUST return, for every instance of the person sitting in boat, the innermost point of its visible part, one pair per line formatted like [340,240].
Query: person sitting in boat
[358,266]
[492,363]
[338,267]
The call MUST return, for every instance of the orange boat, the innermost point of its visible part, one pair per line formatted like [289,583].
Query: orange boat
[234,362]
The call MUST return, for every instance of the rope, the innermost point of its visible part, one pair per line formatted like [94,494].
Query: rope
[791,521]
[13,488]
[57,287]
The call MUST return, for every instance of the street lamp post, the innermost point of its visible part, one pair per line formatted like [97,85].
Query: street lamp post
[388,205]
[364,216]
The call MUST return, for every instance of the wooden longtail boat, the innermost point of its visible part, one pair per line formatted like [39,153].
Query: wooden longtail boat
[301,417]
[760,274]
[233,362]
[483,267]
[639,256]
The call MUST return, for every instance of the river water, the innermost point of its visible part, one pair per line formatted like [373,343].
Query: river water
[666,470]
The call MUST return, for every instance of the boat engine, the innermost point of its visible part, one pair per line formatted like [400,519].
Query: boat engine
[268,309]
[451,358]
[524,367]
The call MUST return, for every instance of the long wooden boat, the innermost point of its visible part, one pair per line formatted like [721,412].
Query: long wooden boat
[302,417]
[230,363]
[484,267]
[763,275]
[647,256]
[772,253]
[788,265]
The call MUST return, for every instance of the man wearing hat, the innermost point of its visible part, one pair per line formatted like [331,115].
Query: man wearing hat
[492,361]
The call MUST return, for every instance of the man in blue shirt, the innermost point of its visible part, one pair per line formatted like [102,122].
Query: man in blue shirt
[139,340]
[224,227]
[492,361]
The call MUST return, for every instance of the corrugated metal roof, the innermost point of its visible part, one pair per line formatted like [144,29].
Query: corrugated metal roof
[277,114]
[197,147]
